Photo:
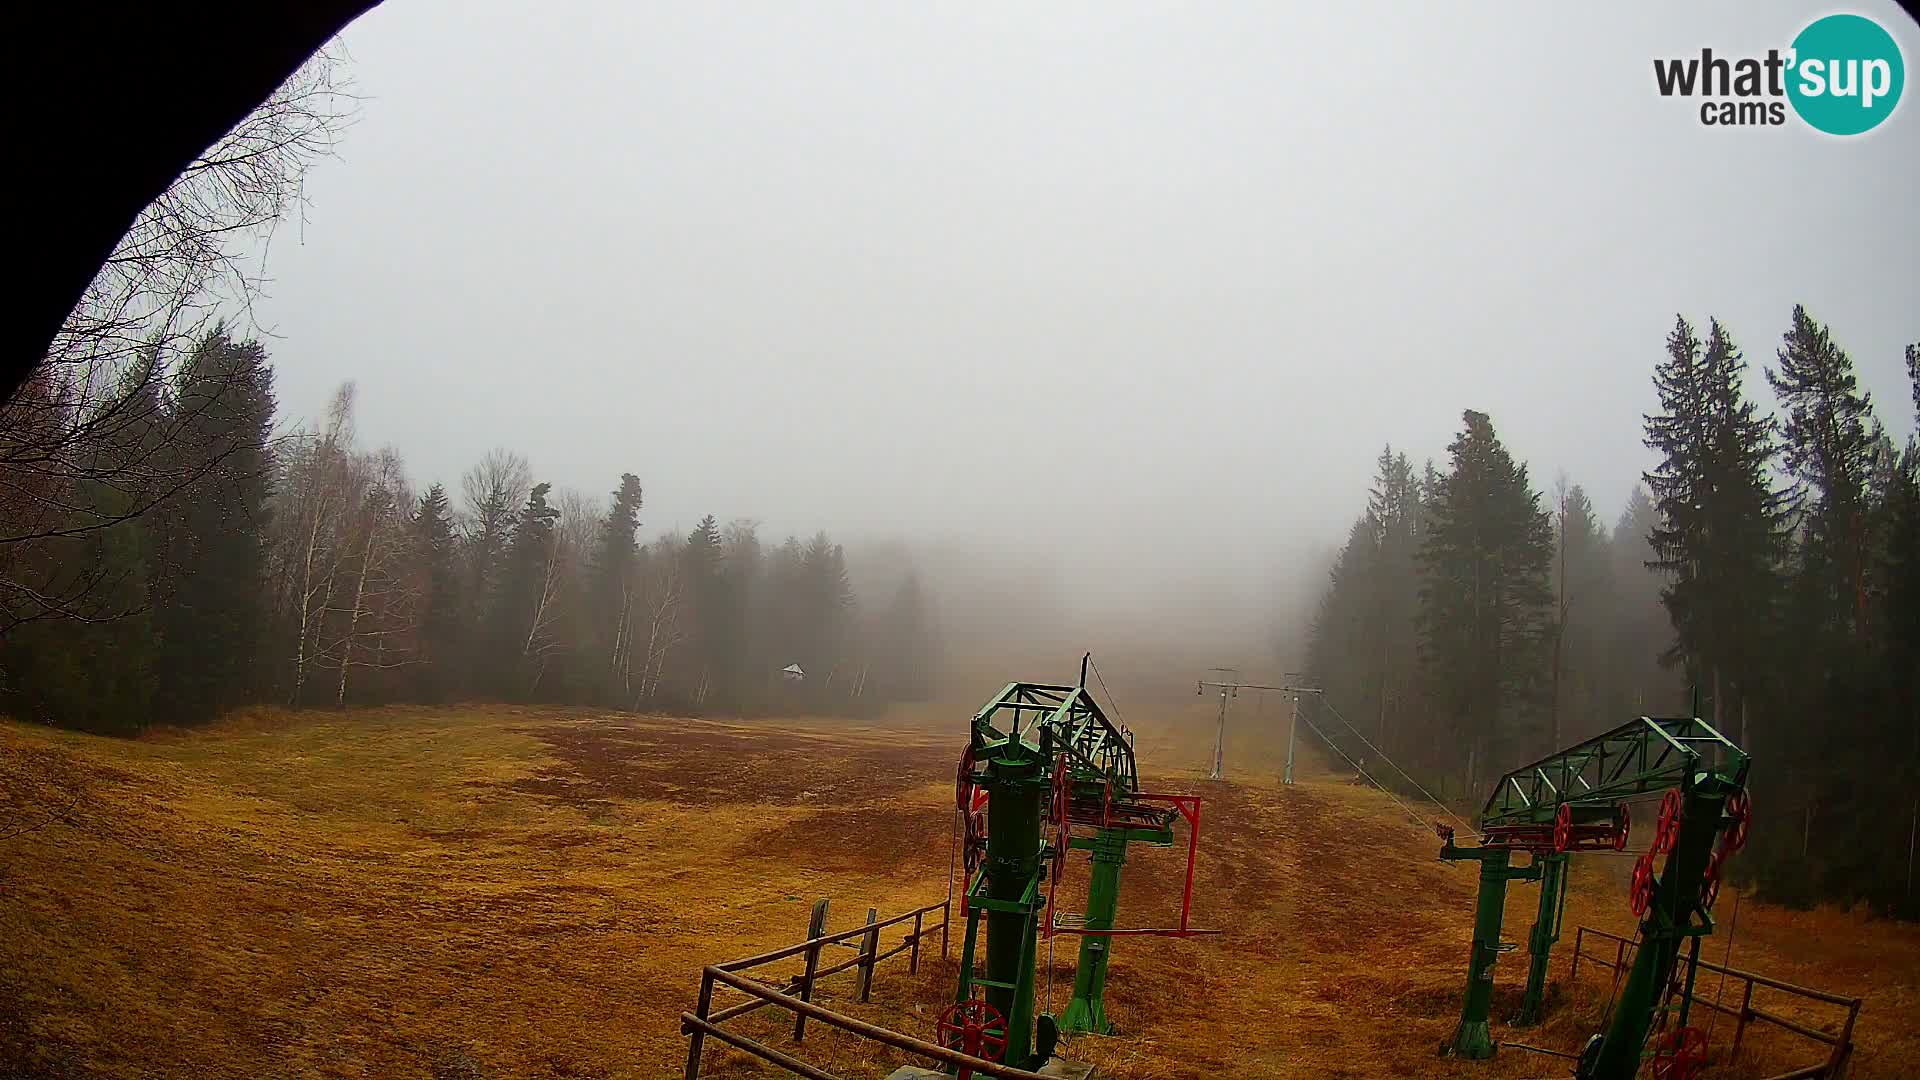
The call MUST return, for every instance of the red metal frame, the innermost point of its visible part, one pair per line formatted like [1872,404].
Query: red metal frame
[1188,807]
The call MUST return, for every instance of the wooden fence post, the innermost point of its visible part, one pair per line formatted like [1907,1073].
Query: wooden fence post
[815,927]
[1746,1014]
[913,955]
[869,948]
[1843,1048]
[699,1034]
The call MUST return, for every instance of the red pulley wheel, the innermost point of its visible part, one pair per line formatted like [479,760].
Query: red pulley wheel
[1710,882]
[1563,828]
[963,785]
[975,844]
[1740,815]
[972,1027]
[1640,894]
[1622,824]
[1682,1055]
[1667,828]
[1062,807]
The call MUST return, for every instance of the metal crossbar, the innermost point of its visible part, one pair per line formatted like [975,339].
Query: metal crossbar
[1637,758]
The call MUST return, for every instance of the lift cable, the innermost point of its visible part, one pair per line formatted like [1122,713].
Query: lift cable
[1424,823]
[1468,829]
[1111,700]
[1726,961]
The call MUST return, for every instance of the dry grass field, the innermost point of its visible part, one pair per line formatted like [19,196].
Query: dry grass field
[492,892]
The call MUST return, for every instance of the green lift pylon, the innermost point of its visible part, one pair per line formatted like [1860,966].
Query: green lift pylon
[1576,800]
[1042,759]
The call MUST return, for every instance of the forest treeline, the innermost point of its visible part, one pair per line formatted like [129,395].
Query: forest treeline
[1770,563]
[165,555]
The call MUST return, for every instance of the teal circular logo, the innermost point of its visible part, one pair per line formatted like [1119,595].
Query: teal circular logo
[1846,74]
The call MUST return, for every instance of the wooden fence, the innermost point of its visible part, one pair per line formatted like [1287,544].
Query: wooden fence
[797,995]
[1840,1047]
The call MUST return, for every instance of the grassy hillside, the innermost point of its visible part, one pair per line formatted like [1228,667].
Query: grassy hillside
[500,892]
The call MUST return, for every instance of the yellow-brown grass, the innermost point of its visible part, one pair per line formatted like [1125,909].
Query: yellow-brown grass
[504,892]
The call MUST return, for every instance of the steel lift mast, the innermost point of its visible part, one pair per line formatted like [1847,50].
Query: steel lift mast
[1043,760]
[1576,800]
[1231,689]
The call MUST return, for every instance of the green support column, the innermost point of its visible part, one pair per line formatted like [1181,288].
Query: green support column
[1017,783]
[1088,1010]
[1472,1039]
[1668,922]
[1546,931]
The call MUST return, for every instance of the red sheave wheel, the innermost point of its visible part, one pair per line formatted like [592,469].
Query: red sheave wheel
[1710,882]
[973,1027]
[1622,824]
[1682,1055]
[1640,895]
[975,845]
[1740,815]
[1667,828]
[1062,827]
[963,786]
[1563,828]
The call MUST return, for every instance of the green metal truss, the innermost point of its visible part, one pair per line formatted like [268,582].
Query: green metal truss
[1593,780]
[1031,743]
[1649,754]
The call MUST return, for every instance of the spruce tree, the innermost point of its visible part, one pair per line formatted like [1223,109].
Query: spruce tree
[214,546]
[1395,515]
[612,587]
[1718,535]
[1341,646]
[442,625]
[1827,446]
[707,596]
[907,647]
[1582,582]
[1638,630]
[1486,602]
[526,587]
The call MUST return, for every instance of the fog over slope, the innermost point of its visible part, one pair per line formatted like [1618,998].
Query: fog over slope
[1104,311]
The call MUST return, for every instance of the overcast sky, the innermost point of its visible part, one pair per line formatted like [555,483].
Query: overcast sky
[1123,283]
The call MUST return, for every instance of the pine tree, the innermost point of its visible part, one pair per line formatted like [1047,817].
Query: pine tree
[1486,602]
[1396,517]
[613,590]
[907,647]
[494,491]
[442,627]
[213,548]
[707,594]
[521,618]
[1582,578]
[829,604]
[1342,645]
[1827,445]
[1718,536]
[1638,632]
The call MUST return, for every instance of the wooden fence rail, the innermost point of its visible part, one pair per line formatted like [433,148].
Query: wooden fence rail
[1840,1046]
[797,995]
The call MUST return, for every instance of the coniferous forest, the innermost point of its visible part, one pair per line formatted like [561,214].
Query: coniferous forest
[1767,567]
[170,555]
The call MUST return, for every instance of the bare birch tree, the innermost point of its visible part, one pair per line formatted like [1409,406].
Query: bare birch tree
[381,604]
[85,442]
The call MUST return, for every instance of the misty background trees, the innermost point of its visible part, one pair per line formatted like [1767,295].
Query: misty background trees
[305,569]
[1768,563]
